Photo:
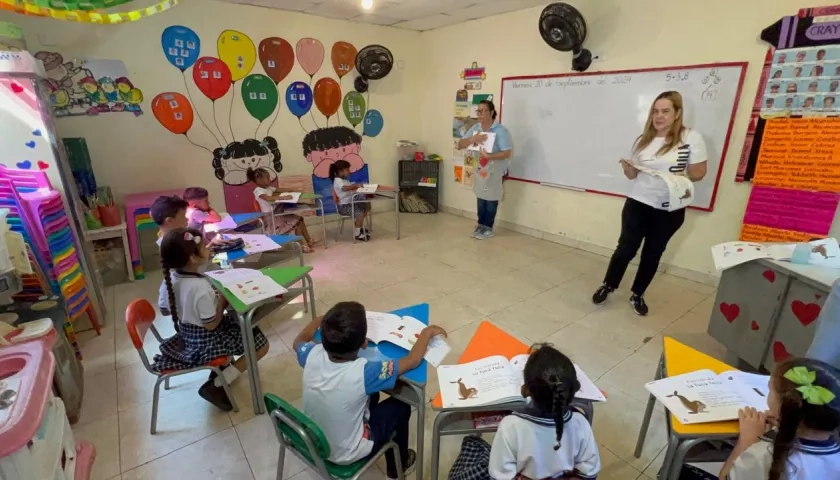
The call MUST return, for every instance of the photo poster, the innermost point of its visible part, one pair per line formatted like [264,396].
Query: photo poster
[796,186]
[461,120]
[803,81]
[810,27]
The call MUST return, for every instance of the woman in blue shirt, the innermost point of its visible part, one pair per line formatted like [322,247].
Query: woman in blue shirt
[491,167]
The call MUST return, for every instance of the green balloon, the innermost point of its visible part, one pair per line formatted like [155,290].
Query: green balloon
[354,107]
[259,94]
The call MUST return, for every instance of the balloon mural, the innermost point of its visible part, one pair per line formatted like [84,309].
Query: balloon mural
[236,57]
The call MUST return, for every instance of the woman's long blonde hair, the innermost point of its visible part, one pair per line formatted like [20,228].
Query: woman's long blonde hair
[674,136]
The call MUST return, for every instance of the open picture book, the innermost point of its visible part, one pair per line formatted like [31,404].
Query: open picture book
[248,285]
[367,188]
[704,396]
[295,197]
[495,380]
[227,223]
[487,144]
[680,188]
[823,253]
[403,332]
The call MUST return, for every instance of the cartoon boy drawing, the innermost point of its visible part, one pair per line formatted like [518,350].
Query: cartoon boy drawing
[325,146]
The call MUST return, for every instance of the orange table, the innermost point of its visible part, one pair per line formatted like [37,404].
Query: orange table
[383,192]
[678,359]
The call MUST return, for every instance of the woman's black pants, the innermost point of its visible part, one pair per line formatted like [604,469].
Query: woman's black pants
[642,222]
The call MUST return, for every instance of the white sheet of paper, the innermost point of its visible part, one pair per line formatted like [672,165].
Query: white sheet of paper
[729,254]
[257,243]
[438,349]
[588,390]
[227,223]
[753,388]
[368,188]
[487,144]
[295,197]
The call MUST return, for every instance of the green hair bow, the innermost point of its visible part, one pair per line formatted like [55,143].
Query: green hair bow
[813,394]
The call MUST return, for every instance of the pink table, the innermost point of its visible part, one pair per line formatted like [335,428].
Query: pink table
[134,202]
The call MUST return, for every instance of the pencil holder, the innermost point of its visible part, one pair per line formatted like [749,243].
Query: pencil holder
[110,215]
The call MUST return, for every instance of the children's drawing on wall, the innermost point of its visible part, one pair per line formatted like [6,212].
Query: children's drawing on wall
[235,61]
[89,87]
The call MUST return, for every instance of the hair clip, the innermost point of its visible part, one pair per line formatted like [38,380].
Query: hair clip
[813,394]
[192,238]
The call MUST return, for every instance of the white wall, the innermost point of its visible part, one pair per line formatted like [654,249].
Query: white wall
[628,35]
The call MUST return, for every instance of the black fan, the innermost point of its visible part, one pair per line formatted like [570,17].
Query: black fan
[562,27]
[373,62]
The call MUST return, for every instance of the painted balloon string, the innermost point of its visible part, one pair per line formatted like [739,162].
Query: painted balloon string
[310,110]
[216,121]
[197,145]
[301,125]
[189,95]
[230,110]
[276,114]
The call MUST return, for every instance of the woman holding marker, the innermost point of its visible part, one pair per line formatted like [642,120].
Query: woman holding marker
[665,145]
[492,166]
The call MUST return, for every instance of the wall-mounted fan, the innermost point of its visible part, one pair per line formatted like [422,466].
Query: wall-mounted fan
[373,62]
[562,27]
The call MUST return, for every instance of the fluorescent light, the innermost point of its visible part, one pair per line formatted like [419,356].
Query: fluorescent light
[367,4]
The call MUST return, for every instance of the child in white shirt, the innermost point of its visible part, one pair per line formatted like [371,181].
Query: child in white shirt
[344,191]
[804,400]
[265,194]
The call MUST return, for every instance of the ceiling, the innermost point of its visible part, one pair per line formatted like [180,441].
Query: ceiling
[417,15]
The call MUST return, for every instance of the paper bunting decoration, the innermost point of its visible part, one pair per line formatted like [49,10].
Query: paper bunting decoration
[83,16]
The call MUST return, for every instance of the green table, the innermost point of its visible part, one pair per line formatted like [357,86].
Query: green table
[246,315]
[308,202]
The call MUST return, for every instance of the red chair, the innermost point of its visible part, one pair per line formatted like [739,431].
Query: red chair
[139,318]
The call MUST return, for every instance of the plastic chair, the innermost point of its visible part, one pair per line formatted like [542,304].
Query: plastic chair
[139,318]
[341,218]
[306,440]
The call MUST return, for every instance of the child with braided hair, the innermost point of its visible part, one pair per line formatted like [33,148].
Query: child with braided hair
[804,403]
[549,438]
[204,331]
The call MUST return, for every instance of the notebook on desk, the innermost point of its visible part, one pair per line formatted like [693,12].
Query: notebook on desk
[295,197]
[368,188]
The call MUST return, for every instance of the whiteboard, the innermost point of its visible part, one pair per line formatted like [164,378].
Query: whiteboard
[571,130]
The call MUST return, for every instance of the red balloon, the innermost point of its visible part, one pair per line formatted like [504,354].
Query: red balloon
[327,95]
[212,77]
[173,111]
[277,58]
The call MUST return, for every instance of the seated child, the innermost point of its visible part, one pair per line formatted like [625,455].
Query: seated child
[804,400]
[266,195]
[169,213]
[341,390]
[203,331]
[199,210]
[549,439]
[344,191]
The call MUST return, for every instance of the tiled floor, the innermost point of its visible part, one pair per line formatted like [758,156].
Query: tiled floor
[537,290]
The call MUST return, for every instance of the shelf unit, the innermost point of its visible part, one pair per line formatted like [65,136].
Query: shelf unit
[419,186]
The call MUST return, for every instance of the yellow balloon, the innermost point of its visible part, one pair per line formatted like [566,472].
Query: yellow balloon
[238,52]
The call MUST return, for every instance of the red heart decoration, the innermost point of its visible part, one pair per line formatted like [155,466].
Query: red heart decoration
[17,88]
[740,250]
[43,165]
[780,353]
[730,312]
[805,313]
[483,161]
[770,275]
[754,326]
[817,296]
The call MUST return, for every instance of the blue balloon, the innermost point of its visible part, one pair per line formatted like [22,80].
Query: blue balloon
[181,46]
[373,123]
[299,98]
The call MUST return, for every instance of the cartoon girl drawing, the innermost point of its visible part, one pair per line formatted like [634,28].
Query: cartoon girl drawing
[231,165]
[325,146]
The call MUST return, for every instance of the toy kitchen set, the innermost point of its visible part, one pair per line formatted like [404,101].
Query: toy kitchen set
[45,286]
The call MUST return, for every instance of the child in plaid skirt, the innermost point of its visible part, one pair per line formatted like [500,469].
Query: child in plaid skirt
[204,331]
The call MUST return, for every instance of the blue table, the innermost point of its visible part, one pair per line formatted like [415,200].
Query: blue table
[243,219]
[282,240]
[412,387]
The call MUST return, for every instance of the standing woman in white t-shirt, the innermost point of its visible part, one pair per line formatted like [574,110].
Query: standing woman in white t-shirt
[666,145]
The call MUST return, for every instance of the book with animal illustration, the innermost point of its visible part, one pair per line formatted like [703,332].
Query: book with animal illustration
[496,380]
[705,396]
[403,332]
[249,286]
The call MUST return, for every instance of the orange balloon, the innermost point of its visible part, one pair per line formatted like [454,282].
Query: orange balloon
[173,111]
[343,58]
[327,95]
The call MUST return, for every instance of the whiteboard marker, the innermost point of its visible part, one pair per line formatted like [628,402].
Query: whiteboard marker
[565,187]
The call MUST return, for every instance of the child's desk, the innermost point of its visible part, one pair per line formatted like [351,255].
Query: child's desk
[488,340]
[678,359]
[308,202]
[248,318]
[412,388]
[281,240]
[383,192]
[242,219]
[136,205]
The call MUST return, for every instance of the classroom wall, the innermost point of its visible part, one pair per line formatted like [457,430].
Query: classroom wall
[136,154]
[627,35]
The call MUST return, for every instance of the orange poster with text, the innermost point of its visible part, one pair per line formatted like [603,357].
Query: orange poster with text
[758,233]
[800,153]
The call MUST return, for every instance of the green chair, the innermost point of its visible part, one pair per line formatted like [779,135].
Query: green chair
[307,441]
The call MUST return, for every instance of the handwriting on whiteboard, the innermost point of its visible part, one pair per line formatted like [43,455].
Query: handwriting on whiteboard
[676,76]
[563,82]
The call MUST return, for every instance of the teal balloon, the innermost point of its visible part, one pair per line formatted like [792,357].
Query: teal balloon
[354,107]
[259,94]
[373,123]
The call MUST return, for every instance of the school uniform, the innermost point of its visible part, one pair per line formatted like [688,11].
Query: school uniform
[283,224]
[487,184]
[194,344]
[345,198]
[808,460]
[645,216]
